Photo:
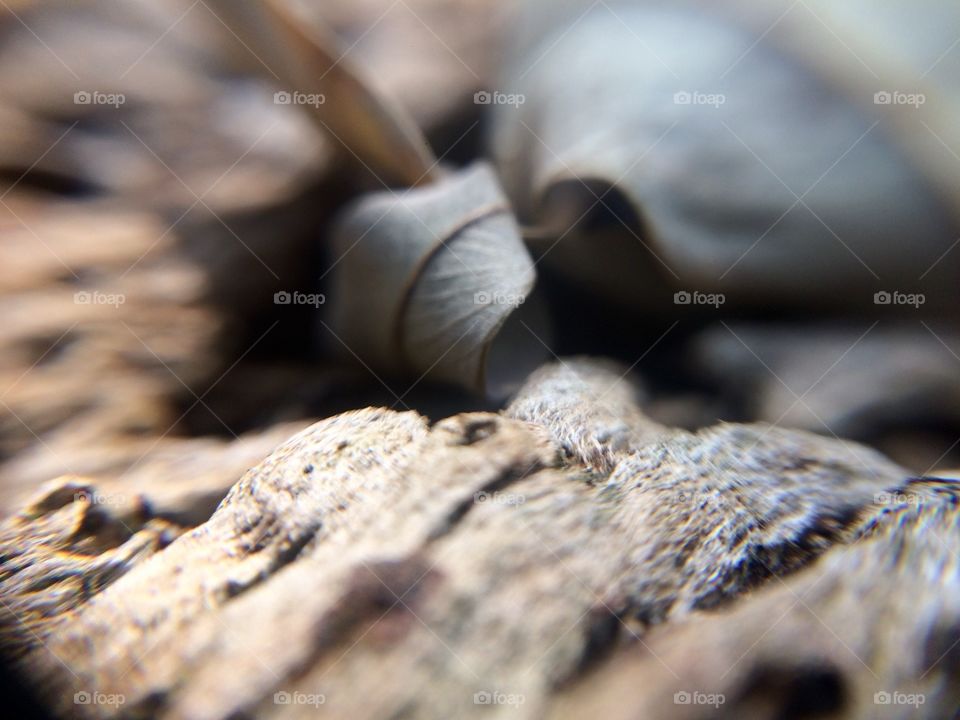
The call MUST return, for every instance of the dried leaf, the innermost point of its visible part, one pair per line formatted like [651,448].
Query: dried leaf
[306,59]
[423,281]
[764,169]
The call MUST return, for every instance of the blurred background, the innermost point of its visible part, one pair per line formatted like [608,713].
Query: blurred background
[753,207]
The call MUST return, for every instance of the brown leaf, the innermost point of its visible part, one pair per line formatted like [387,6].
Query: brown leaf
[305,59]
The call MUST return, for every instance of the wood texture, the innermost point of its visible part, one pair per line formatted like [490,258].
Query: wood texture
[392,568]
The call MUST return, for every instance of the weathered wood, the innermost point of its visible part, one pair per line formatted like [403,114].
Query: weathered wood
[872,630]
[590,408]
[63,549]
[391,568]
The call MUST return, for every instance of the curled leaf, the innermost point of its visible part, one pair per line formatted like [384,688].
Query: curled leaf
[777,153]
[424,281]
